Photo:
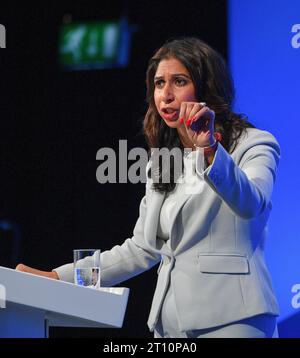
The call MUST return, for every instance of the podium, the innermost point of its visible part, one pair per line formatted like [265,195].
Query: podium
[30,304]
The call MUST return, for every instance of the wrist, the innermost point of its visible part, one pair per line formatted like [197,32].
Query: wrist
[208,150]
[53,274]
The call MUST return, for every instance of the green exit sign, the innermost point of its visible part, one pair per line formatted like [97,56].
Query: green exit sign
[92,45]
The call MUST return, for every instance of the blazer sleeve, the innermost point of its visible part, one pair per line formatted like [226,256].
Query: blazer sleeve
[122,261]
[245,183]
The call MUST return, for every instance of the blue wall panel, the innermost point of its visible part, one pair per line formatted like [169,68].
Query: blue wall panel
[264,57]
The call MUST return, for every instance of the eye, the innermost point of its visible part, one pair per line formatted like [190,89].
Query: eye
[180,82]
[159,83]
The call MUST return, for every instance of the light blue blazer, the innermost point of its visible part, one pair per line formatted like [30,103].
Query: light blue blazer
[216,264]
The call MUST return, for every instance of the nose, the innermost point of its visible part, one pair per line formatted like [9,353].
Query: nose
[167,94]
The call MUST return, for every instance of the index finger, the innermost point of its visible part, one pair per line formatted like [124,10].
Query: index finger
[182,110]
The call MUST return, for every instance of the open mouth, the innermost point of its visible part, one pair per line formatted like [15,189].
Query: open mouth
[169,110]
[170,113]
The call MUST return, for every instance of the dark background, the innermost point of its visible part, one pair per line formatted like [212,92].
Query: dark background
[52,124]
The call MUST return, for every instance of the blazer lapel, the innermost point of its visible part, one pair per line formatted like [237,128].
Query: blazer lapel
[182,200]
[154,204]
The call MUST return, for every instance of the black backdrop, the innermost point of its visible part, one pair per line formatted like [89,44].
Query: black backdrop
[53,122]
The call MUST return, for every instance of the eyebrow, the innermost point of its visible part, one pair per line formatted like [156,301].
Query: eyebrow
[173,75]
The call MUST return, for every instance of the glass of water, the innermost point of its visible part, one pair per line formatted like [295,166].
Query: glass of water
[87,267]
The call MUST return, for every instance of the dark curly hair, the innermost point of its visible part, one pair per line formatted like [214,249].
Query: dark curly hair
[213,84]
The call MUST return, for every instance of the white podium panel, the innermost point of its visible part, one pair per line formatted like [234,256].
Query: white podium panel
[33,303]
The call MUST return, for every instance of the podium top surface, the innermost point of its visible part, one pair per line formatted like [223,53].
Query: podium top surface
[65,304]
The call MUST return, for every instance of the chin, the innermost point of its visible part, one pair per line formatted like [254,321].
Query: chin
[172,124]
